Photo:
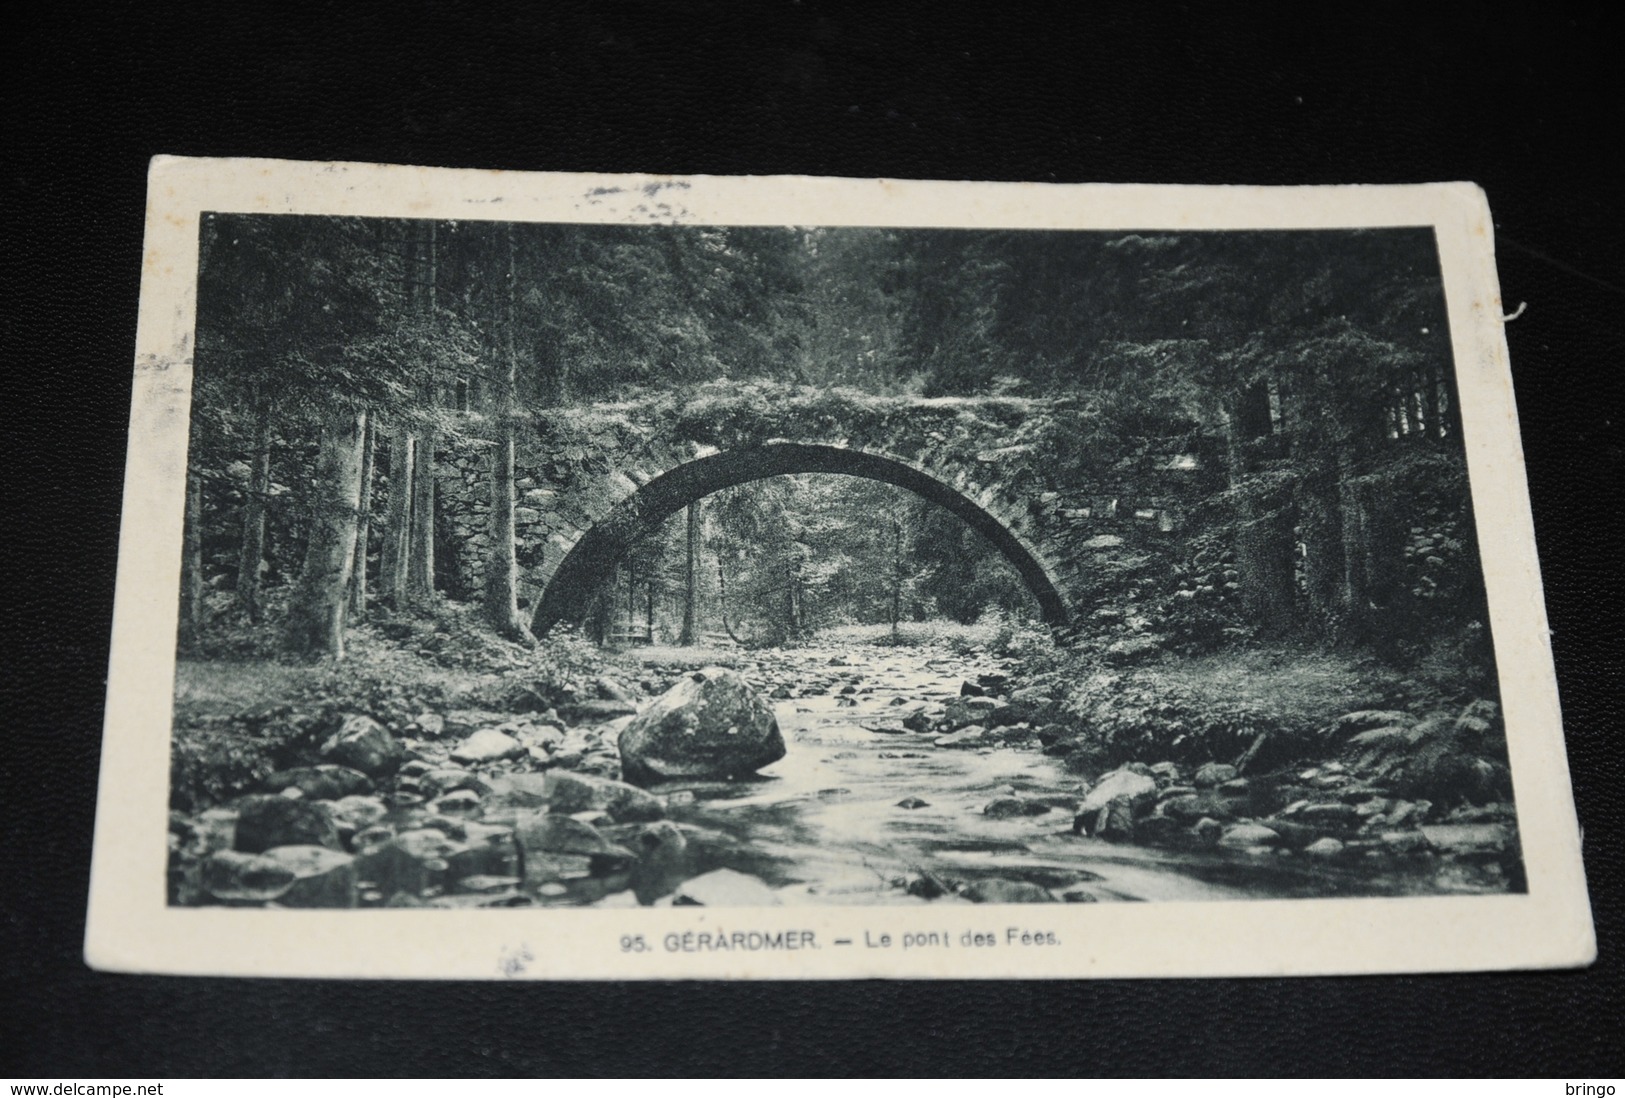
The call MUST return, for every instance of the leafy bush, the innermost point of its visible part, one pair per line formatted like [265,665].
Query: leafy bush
[1445,758]
[561,667]
[1129,719]
[215,759]
[210,764]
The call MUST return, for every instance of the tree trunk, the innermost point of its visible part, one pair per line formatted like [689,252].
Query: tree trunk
[315,625]
[598,618]
[722,600]
[1320,522]
[691,579]
[1263,538]
[394,549]
[420,541]
[791,582]
[1320,513]
[502,566]
[896,573]
[631,596]
[259,488]
[363,534]
[193,611]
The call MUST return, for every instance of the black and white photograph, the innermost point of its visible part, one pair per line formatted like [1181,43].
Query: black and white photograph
[641,560]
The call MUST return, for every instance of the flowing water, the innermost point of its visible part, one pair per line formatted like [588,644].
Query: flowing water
[828,824]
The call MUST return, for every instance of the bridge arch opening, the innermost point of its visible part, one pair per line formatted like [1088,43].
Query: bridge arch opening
[591,561]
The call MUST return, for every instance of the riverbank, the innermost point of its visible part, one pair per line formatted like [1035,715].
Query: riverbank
[443,767]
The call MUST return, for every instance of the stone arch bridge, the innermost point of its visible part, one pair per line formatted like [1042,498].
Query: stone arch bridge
[1081,528]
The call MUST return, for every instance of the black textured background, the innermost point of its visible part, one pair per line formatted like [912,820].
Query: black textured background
[1520,99]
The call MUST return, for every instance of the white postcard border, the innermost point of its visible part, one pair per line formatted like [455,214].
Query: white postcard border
[131,928]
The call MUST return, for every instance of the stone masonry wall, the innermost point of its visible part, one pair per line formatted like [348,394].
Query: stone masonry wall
[1101,526]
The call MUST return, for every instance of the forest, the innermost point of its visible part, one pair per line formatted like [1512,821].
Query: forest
[1316,601]
[339,356]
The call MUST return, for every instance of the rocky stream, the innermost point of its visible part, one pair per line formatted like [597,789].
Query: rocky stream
[821,775]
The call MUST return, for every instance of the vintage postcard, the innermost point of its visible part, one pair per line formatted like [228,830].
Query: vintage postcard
[577,576]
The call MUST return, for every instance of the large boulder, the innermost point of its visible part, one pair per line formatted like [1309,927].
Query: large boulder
[710,726]
[363,744]
[264,822]
[1138,789]
[1115,821]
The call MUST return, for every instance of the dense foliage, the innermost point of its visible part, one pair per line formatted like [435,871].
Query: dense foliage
[1309,369]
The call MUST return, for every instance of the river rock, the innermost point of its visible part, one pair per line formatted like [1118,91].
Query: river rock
[923,718]
[445,780]
[409,863]
[1213,774]
[663,862]
[371,837]
[246,878]
[610,690]
[1115,821]
[1296,835]
[1159,830]
[526,790]
[596,710]
[357,813]
[462,802]
[1334,815]
[321,877]
[487,745]
[488,848]
[320,783]
[963,711]
[1405,813]
[711,725]
[1206,832]
[913,802]
[1246,835]
[465,722]
[1005,808]
[997,890]
[970,736]
[568,793]
[1140,789]
[430,725]
[725,888]
[1405,842]
[363,744]
[214,829]
[264,822]
[1458,838]
[549,842]
[1327,847]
